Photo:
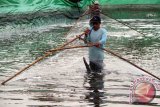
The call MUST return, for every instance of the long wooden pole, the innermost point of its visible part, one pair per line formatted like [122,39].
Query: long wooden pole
[128,61]
[41,58]
[70,47]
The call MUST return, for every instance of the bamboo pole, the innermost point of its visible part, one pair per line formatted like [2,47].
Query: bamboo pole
[126,60]
[41,58]
[70,47]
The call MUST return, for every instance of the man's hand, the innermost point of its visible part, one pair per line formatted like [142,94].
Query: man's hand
[87,31]
[94,44]
[97,44]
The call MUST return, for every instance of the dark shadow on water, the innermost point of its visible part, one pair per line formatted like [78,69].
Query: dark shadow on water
[96,86]
[147,104]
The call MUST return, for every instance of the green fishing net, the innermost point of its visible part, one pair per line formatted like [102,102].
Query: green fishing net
[124,2]
[22,6]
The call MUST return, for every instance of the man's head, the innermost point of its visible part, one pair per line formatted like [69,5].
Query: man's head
[96,2]
[95,21]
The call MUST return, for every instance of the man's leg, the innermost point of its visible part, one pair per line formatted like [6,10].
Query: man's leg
[96,66]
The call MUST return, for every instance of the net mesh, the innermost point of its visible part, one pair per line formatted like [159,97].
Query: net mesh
[22,6]
[124,2]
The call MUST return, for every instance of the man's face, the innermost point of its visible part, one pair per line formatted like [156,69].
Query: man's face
[96,25]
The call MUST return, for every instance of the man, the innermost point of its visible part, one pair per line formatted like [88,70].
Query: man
[95,9]
[96,36]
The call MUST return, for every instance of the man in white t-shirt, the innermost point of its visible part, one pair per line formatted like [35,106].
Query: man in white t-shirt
[97,36]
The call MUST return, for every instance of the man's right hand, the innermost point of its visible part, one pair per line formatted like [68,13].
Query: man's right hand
[86,31]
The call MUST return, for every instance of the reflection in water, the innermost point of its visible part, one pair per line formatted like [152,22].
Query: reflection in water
[96,85]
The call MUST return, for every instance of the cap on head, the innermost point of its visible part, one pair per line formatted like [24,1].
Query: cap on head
[96,2]
[96,19]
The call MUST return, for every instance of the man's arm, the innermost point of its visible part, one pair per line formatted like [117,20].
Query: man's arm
[104,37]
[86,38]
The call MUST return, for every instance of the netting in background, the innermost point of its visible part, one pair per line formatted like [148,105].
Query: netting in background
[22,6]
[124,2]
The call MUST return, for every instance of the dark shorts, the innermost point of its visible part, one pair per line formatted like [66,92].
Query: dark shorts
[96,66]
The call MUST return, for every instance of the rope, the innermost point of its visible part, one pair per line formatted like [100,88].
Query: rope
[75,23]
[123,24]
